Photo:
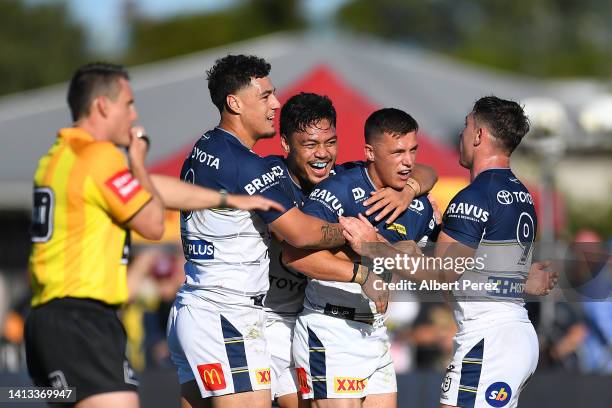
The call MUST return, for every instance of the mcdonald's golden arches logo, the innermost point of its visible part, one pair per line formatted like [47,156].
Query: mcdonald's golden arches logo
[212,376]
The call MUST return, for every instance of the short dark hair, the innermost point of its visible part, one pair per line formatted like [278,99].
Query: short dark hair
[505,119]
[303,110]
[231,73]
[89,82]
[389,120]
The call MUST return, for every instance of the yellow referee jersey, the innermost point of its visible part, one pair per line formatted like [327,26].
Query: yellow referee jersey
[83,195]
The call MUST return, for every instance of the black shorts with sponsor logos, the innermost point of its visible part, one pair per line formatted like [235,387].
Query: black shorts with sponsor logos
[78,343]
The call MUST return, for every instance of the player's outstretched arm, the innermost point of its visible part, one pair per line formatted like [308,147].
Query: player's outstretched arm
[304,231]
[392,202]
[362,237]
[179,195]
[358,231]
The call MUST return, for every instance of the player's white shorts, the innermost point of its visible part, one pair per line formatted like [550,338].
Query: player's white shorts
[337,358]
[222,346]
[490,367]
[279,333]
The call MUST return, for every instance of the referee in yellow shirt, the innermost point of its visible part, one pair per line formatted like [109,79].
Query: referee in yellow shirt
[86,201]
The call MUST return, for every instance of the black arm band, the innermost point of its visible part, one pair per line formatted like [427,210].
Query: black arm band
[355,270]
[223,201]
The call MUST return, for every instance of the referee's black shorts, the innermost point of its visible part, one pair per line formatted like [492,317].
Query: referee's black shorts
[78,343]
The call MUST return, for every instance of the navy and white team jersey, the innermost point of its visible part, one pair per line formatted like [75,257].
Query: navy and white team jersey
[286,294]
[343,194]
[226,249]
[496,216]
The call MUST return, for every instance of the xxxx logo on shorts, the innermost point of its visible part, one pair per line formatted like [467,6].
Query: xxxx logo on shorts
[262,376]
[212,376]
[302,380]
[349,385]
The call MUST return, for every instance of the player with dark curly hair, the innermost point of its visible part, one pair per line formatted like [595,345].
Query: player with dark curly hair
[216,332]
[309,139]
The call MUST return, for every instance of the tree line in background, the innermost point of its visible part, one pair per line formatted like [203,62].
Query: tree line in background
[545,38]
[40,45]
[153,40]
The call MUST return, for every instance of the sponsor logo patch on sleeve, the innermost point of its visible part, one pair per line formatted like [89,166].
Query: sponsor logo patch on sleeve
[124,185]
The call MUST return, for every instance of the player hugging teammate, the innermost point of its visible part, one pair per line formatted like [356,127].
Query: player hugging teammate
[232,344]
[486,220]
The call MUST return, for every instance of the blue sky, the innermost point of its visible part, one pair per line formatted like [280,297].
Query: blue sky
[106,30]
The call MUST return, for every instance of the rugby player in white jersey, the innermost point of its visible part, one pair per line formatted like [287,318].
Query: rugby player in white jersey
[493,219]
[308,137]
[216,329]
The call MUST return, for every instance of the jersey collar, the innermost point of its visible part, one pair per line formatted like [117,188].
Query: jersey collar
[227,132]
[74,133]
[284,160]
[366,175]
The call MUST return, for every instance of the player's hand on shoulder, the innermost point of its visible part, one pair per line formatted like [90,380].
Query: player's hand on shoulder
[389,201]
[540,280]
[255,202]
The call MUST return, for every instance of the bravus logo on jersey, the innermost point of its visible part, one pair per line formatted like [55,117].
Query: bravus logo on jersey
[261,183]
[328,199]
[468,210]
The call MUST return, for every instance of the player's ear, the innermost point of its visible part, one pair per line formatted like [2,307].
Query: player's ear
[233,103]
[285,144]
[369,152]
[478,137]
[100,105]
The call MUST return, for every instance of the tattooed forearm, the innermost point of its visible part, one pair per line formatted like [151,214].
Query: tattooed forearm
[331,235]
